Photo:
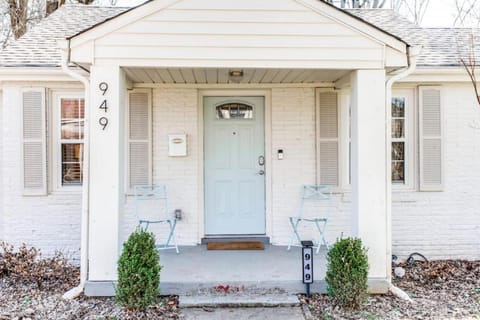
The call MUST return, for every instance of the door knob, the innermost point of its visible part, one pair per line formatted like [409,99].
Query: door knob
[261,173]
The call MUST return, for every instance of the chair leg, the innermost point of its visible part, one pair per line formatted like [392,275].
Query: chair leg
[172,235]
[295,233]
[321,238]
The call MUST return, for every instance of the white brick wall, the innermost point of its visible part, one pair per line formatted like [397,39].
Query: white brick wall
[293,131]
[174,111]
[48,222]
[446,224]
[437,224]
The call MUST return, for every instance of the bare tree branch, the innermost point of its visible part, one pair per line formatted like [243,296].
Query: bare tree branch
[470,64]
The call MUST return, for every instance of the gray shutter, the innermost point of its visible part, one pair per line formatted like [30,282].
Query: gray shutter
[139,139]
[34,137]
[328,138]
[431,146]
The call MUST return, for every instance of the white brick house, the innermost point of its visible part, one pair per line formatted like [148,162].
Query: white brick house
[320,72]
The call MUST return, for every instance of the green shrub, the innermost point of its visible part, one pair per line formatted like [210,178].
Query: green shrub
[347,273]
[138,272]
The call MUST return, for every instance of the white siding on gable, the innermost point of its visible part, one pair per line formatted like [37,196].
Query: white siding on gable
[220,33]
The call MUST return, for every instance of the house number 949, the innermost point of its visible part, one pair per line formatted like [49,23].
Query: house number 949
[103,121]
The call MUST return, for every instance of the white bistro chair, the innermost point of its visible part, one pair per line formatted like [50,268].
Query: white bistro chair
[314,195]
[151,207]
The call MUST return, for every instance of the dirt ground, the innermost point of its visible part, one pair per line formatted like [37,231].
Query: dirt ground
[440,290]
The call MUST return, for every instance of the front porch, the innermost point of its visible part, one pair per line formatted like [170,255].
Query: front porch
[197,270]
[314,113]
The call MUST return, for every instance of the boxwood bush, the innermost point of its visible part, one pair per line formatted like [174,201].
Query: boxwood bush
[347,273]
[138,272]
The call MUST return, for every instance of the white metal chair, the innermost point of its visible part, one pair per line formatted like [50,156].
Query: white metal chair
[311,193]
[151,207]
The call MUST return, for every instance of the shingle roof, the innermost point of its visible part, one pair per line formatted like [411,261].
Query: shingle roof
[440,46]
[38,47]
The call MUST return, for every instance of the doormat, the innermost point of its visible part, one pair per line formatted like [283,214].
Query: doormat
[236,245]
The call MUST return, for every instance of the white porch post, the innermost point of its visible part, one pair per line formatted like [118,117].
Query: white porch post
[106,170]
[369,180]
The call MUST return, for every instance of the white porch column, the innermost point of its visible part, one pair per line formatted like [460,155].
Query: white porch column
[369,180]
[106,170]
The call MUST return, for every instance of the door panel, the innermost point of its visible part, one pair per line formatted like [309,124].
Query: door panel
[234,189]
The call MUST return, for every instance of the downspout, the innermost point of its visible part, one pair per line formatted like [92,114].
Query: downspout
[412,54]
[75,292]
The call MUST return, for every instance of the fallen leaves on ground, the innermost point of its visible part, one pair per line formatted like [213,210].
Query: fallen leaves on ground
[24,302]
[444,290]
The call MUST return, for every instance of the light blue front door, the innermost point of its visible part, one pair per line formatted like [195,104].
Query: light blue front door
[234,147]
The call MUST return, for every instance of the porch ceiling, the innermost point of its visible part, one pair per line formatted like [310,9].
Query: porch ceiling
[221,76]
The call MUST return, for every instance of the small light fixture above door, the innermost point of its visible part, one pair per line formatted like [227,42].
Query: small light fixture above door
[235,75]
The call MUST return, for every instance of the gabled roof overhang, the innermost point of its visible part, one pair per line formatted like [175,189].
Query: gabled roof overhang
[395,49]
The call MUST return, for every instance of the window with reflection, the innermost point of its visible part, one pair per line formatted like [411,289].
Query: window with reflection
[72,118]
[234,111]
[398,139]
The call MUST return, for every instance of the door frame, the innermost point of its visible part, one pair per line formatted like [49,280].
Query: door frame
[266,94]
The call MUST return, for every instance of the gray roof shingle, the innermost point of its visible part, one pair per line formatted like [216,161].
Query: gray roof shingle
[38,47]
[440,46]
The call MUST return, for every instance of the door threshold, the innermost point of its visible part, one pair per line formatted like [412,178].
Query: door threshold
[230,238]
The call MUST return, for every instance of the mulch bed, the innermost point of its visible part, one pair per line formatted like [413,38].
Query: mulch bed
[24,302]
[440,290]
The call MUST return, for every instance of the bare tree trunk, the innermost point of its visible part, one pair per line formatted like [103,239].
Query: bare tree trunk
[18,10]
[470,65]
[53,5]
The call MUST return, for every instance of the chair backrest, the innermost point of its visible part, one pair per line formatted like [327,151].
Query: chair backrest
[316,194]
[151,202]
[320,192]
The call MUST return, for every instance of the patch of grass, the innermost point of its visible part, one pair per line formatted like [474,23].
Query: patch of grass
[369,315]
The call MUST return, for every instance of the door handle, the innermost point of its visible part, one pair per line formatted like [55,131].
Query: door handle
[261,173]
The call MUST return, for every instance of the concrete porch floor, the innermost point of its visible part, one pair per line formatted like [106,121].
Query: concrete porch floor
[195,270]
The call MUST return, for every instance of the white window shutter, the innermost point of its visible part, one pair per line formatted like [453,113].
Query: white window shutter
[34,142]
[328,138]
[139,138]
[431,145]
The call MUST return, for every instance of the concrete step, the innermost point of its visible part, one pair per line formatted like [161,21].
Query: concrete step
[238,300]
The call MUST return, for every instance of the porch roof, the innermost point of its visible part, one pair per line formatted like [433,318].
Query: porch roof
[38,48]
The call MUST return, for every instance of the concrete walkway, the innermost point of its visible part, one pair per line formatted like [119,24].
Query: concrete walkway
[278,313]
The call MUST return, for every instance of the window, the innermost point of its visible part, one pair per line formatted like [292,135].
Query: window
[67,140]
[398,140]
[402,135]
[234,111]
